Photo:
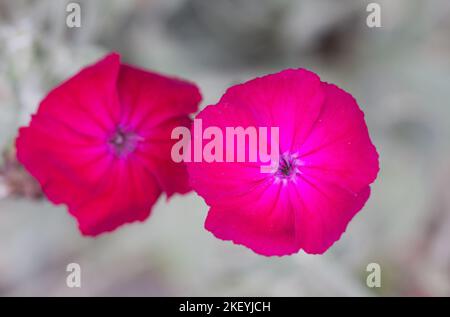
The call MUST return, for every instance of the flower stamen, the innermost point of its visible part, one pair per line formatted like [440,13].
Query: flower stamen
[287,167]
[123,142]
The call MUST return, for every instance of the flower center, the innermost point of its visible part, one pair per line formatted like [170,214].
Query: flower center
[123,142]
[288,167]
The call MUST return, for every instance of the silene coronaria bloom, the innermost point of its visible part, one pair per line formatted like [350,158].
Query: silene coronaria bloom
[326,164]
[100,143]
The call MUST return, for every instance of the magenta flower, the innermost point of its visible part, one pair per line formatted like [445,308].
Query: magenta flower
[100,143]
[326,165]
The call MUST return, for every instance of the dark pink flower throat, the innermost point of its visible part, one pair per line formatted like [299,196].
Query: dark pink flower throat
[288,166]
[123,142]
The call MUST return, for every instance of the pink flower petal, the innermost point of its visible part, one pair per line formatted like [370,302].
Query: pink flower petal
[154,105]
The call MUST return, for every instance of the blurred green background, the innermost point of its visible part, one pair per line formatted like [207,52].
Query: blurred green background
[399,73]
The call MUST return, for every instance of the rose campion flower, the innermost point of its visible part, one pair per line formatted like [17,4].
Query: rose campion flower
[100,143]
[326,164]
